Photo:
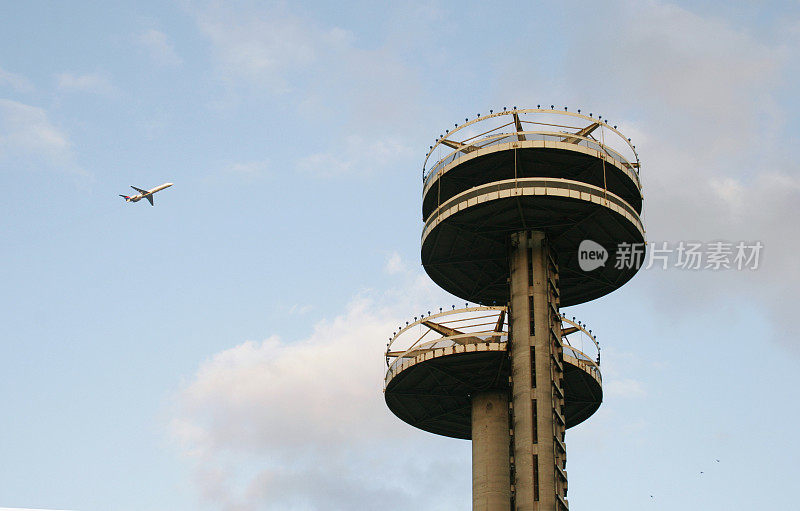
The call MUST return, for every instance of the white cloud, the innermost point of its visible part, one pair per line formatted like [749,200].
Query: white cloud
[27,127]
[306,383]
[327,75]
[265,46]
[695,64]
[617,368]
[92,83]
[28,139]
[16,81]
[159,47]
[394,264]
[716,151]
[298,309]
[301,424]
[249,169]
[354,154]
[624,387]
[27,509]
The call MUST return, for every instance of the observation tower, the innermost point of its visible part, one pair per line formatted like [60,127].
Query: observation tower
[507,202]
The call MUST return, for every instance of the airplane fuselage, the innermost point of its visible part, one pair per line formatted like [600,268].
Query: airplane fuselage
[145,194]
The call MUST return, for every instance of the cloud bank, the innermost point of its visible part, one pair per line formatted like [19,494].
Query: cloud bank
[301,423]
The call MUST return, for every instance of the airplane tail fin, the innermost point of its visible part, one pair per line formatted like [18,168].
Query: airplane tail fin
[125,197]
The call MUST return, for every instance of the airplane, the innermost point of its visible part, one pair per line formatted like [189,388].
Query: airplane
[145,194]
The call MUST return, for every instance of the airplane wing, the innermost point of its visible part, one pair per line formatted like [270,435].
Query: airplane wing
[138,189]
[150,198]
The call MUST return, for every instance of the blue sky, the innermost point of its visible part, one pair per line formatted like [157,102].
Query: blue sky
[222,350]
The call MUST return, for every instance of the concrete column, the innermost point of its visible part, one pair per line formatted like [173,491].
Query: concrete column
[537,377]
[491,481]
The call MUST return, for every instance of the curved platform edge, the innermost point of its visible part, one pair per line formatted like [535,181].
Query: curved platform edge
[531,144]
[441,352]
[511,188]
[429,393]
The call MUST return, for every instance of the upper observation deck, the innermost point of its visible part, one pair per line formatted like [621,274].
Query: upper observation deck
[436,363]
[571,175]
[546,143]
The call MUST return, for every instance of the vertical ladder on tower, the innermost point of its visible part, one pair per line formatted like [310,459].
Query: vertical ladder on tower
[557,383]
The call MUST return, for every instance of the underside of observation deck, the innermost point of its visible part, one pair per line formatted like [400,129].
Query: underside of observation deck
[467,253]
[435,395]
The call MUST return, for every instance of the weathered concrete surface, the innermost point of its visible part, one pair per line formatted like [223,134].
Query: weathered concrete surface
[491,482]
[537,377]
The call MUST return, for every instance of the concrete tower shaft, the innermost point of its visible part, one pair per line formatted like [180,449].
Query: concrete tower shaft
[537,374]
[491,470]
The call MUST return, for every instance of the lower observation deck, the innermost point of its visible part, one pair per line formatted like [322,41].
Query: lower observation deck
[437,363]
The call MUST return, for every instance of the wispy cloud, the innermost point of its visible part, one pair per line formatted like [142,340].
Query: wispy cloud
[28,139]
[250,169]
[702,97]
[394,264]
[16,81]
[299,310]
[354,154]
[617,368]
[624,387]
[268,52]
[27,509]
[264,47]
[92,83]
[311,413]
[159,47]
